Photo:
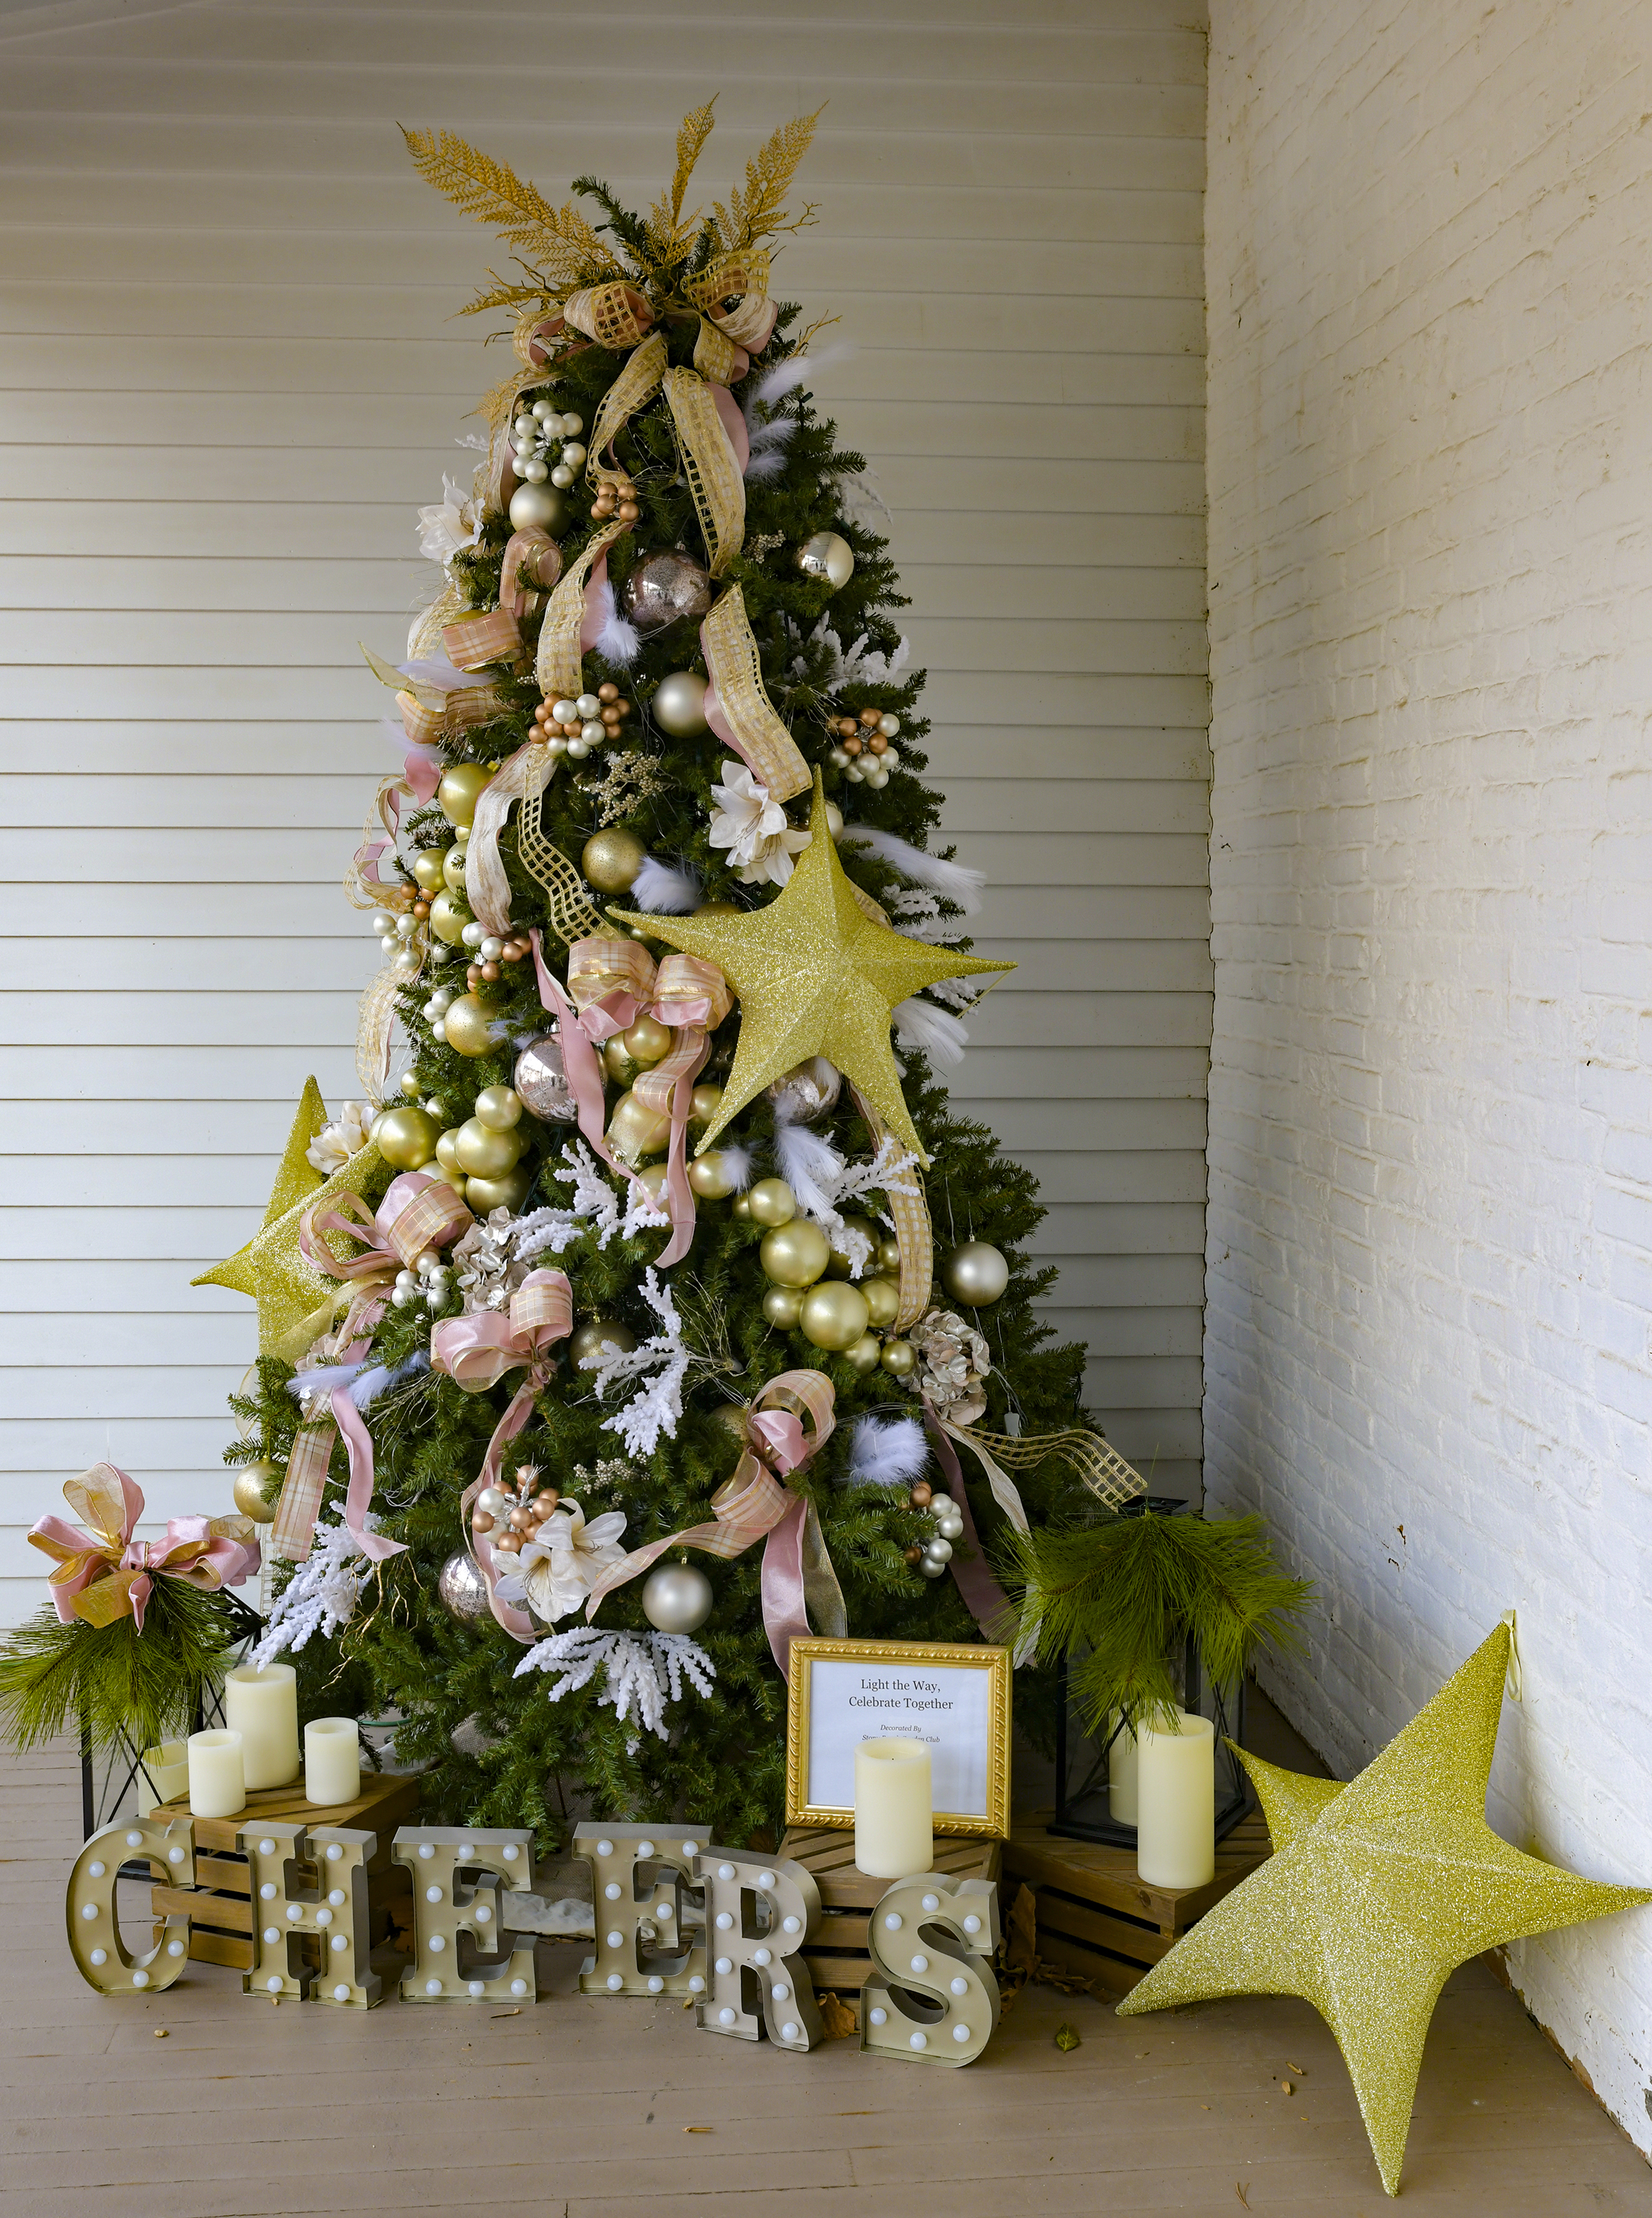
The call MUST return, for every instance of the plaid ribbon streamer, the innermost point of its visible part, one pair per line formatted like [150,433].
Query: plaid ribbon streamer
[475,641]
[292,1533]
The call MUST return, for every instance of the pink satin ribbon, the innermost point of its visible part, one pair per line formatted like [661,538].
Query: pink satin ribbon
[476,1352]
[423,772]
[193,1549]
[986,1601]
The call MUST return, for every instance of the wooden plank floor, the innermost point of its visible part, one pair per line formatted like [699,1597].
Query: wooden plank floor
[579,2109]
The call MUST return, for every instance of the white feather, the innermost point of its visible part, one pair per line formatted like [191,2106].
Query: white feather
[811,1166]
[936,1032]
[737,1162]
[954,881]
[886,1451]
[786,376]
[616,638]
[664,891]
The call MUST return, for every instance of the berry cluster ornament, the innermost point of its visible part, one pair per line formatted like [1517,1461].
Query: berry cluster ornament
[574,727]
[428,1285]
[507,1517]
[865,752]
[404,939]
[490,951]
[615,501]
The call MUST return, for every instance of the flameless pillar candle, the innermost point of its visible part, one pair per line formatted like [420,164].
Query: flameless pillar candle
[217,1784]
[1121,1778]
[165,1775]
[262,1707]
[332,1761]
[1176,1803]
[894,1834]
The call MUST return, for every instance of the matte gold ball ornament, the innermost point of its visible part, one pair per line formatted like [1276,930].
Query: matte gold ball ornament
[427,870]
[864,1353]
[450,914]
[704,1103]
[616,1062]
[611,859]
[975,1274]
[453,869]
[251,1499]
[886,1255]
[679,704]
[469,1028]
[406,1138]
[648,1042]
[794,1254]
[772,1202]
[840,1266]
[882,1300]
[481,1152]
[596,1334]
[834,1315]
[538,508]
[462,787]
[898,1358]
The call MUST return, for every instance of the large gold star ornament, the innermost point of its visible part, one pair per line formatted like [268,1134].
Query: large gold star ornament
[1375,1891]
[270,1267]
[814,974]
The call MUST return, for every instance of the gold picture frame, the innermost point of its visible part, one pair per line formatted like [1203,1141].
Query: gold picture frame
[808,1801]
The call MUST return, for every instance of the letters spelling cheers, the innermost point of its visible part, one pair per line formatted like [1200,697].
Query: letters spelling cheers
[931,1995]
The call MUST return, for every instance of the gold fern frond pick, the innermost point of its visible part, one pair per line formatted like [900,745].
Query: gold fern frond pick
[559,238]
[757,208]
[505,295]
[669,235]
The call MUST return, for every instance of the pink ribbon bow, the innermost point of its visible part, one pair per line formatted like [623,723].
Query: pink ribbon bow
[476,1352]
[690,995]
[104,1574]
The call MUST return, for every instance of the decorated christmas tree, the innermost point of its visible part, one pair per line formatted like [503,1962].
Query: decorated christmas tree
[603,1348]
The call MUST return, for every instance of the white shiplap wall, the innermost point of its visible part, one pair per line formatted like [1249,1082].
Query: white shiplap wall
[230,375]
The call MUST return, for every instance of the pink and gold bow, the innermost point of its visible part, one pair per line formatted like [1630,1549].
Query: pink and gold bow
[691,995]
[476,1352]
[103,1574]
[754,1505]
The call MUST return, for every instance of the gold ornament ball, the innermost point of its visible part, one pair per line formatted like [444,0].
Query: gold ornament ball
[611,860]
[447,1151]
[731,1415]
[704,1103]
[833,1315]
[782,1305]
[709,1176]
[499,1107]
[899,1358]
[250,1496]
[450,914]
[772,1202]
[406,1138]
[617,1063]
[795,1255]
[455,1179]
[427,870]
[538,508]
[409,1084]
[882,1300]
[840,1266]
[740,1206]
[481,1152]
[652,1181]
[975,1274]
[453,869]
[461,788]
[864,1353]
[679,704]
[826,559]
[635,1129]
[596,1334]
[647,1041]
[507,1192]
[469,1028]
[887,1257]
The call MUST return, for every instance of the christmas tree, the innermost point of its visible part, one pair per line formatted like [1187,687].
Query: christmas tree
[603,1355]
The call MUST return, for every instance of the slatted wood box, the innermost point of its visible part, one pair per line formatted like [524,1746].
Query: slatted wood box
[1098,1918]
[219,1904]
[838,1956]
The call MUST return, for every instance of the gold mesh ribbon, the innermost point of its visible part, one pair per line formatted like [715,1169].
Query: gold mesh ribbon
[427,629]
[636,385]
[1104,1470]
[615,315]
[710,465]
[559,667]
[486,888]
[744,279]
[912,1227]
[755,732]
[568,911]
[717,357]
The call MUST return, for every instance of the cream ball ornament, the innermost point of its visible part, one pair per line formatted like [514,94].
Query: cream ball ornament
[882,1300]
[782,1305]
[481,1152]
[611,859]
[250,1497]
[499,1107]
[537,508]
[635,1129]
[406,1138]
[975,1274]
[469,1028]
[677,1598]
[710,1177]
[827,559]
[834,1315]
[507,1192]
[462,787]
[772,1202]
[794,1254]
[679,704]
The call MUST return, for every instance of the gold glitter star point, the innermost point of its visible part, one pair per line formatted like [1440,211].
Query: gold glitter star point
[814,974]
[1375,1891]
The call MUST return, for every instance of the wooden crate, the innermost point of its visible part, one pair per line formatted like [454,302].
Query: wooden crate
[838,1956]
[1098,1918]
[219,1904]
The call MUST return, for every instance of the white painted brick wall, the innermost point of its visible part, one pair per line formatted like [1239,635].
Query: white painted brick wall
[1429,254]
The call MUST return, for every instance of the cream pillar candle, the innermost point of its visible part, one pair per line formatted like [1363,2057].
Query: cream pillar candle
[1121,1778]
[1176,1803]
[332,1760]
[217,1780]
[262,1707]
[894,1834]
[164,1776]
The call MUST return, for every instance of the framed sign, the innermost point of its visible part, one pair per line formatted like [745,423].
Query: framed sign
[952,1695]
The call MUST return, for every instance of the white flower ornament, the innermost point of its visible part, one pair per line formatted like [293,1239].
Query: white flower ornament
[760,839]
[448,525]
[564,1560]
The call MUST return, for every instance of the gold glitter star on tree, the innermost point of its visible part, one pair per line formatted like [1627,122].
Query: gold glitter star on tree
[270,1267]
[814,974]
[1375,1891]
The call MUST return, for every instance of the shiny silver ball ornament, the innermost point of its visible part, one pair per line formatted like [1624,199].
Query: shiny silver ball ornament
[975,1274]
[679,704]
[826,559]
[462,1589]
[538,508]
[677,1598]
[663,589]
[543,1082]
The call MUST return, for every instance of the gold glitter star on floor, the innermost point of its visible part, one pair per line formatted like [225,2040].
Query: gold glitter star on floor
[1375,1891]
[814,974]
[270,1267]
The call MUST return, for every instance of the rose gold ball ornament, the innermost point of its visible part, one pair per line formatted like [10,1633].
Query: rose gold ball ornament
[483,1194]
[782,1305]
[833,1315]
[898,1358]
[611,860]
[975,1274]
[710,1177]
[248,1490]
[462,1589]
[882,1300]
[470,1028]
[482,1152]
[772,1202]
[663,589]
[827,559]
[406,1138]
[677,1598]
[679,704]
[637,1130]
[463,786]
[794,1254]
[543,1082]
[596,1334]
